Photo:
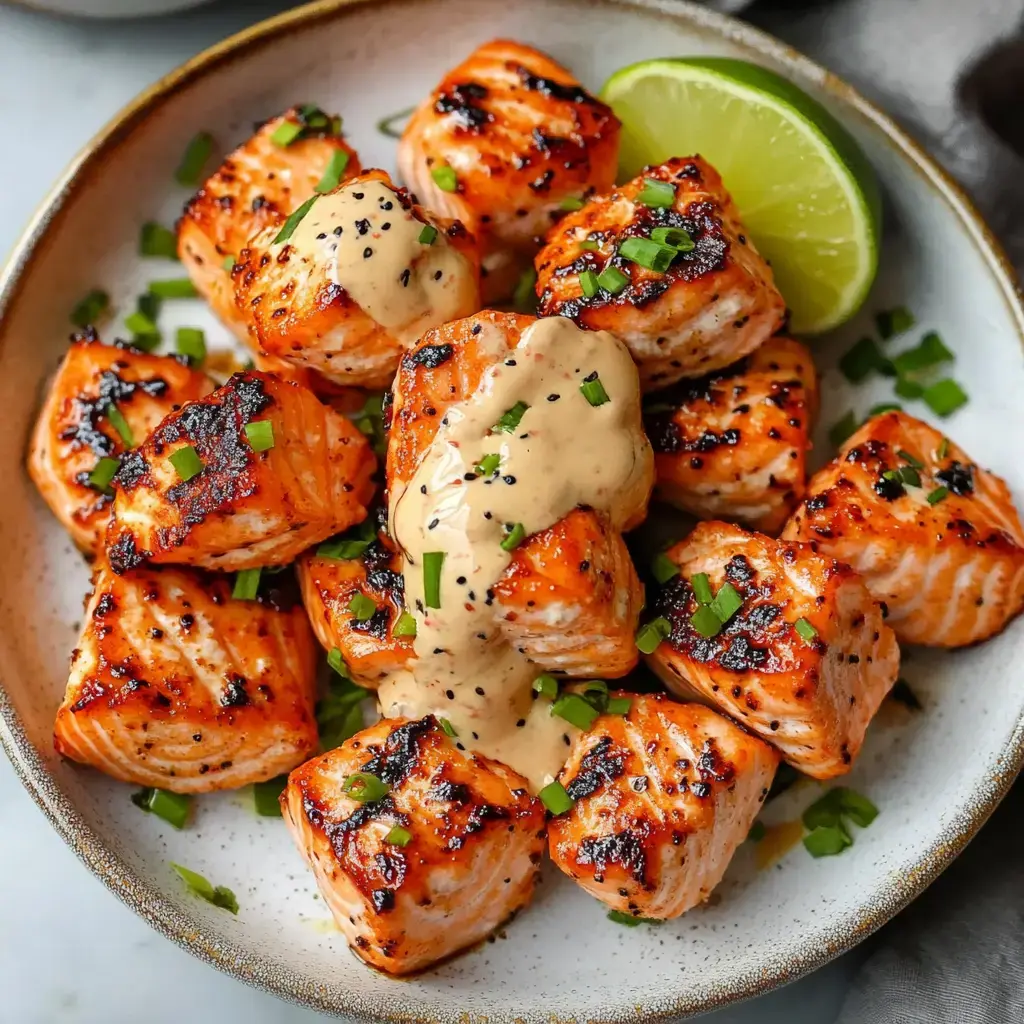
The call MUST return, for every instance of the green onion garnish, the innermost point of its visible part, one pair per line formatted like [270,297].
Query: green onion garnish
[265,796]
[805,629]
[186,462]
[173,288]
[677,238]
[863,359]
[827,841]
[525,297]
[701,588]
[103,473]
[260,435]
[546,685]
[286,133]
[361,607]
[191,342]
[663,568]
[613,280]
[841,430]
[365,787]
[432,563]
[514,536]
[337,663]
[447,728]
[174,808]
[428,234]
[386,124]
[405,625]
[116,419]
[349,545]
[488,465]
[939,494]
[197,152]
[141,326]
[335,169]
[945,397]
[90,310]
[554,797]
[594,392]
[943,449]
[445,178]
[877,410]
[911,460]
[156,240]
[649,636]
[247,584]
[575,710]
[228,263]
[289,226]
[904,474]
[219,896]
[510,418]
[706,622]
[398,836]
[727,603]
[621,917]
[647,253]
[619,705]
[906,388]
[661,194]
[588,284]
[589,245]
[571,203]
[893,321]
[930,352]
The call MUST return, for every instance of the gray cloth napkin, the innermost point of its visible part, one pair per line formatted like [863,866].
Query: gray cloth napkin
[955,956]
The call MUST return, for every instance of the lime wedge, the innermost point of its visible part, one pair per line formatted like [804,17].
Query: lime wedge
[804,188]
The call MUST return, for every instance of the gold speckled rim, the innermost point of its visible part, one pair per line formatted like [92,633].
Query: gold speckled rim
[263,972]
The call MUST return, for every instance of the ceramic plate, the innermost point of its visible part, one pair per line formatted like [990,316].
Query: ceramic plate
[935,774]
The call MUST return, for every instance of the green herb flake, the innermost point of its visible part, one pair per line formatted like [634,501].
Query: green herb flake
[945,397]
[546,686]
[186,462]
[260,435]
[575,710]
[361,607]
[333,174]
[220,896]
[174,808]
[663,568]
[191,343]
[445,178]
[405,625]
[650,636]
[398,836]
[190,170]
[510,419]
[893,321]
[365,787]
[116,419]
[555,798]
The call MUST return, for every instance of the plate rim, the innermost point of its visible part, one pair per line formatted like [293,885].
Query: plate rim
[261,971]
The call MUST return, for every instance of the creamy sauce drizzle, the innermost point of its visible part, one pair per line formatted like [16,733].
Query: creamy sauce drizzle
[564,453]
[371,247]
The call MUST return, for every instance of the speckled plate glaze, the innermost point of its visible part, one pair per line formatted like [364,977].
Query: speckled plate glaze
[936,774]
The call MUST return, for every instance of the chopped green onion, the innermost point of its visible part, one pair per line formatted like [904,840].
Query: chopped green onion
[365,787]
[877,410]
[197,152]
[757,832]
[337,663]
[432,563]
[621,917]
[335,169]
[156,240]
[173,288]
[228,263]
[103,473]
[945,397]
[361,607]
[514,536]
[141,326]
[827,841]
[911,460]
[546,685]
[405,625]
[220,896]
[649,636]
[706,622]
[594,392]
[349,545]
[571,203]
[589,245]
[805,629]
[727,603]
[904,474]
[619,705]
[247,584]
[447,728]
[613,280]
[930,352]
[660,194]
[575,710]
[510,418]
[116,419]
[445,178]
[675,237]
[265,796]
[858,808]
[488,465]
[386,124]
[398,836]
[701,588]
[594,688]
[663,568]
[554,797]
[841,430]
[289,226]
[186,462]
[91,308]
[428,234]
[864,358]
[939,494]
[943,449]
[648,253]
[894,321]
[908,388]
[260,435]
[191,342]
[588,284]
[174,808]
[829,810]
[525,297]
[286,133]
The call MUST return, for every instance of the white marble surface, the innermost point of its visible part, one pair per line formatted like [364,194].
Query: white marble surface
[70,953]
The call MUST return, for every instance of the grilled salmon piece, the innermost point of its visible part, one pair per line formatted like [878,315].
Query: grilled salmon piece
[578,574]
[936,537]
[517,136]
[74,429]
[308,299]
[199,490]
[175,684]
[367,643]
[473,842]
[804,662]
[662,796]
[713,305]
[733,444]
[255,189]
